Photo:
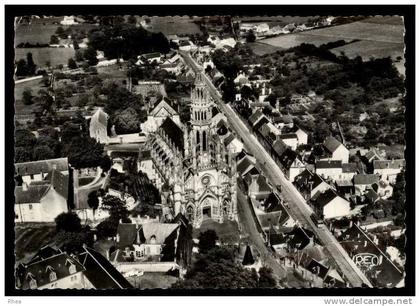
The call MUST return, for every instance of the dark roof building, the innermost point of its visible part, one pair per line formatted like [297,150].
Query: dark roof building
[174,133]
[42,166]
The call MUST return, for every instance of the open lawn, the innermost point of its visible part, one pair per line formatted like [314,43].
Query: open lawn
[41,56]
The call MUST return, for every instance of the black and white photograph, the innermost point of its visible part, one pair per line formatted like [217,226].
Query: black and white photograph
[224,151]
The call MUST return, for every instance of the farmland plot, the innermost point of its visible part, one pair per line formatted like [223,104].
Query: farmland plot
[41,56]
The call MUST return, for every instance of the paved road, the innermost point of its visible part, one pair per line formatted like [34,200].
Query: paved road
[298,207]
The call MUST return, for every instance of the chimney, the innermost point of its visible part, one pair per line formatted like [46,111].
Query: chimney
[138,235]
[365,243]
[381,257]
[25,186]
[117,239]
[107,254]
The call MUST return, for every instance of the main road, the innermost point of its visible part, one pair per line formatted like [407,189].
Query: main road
[298,208]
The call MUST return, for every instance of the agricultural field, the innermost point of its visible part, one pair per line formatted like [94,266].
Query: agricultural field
[262,49]
[41,56]
[173,25]
[377,49]
[34,33]
[378,37]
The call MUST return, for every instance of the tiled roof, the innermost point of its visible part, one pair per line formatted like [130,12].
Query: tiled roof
[151,55]
[372,195]
[389,164]
[33,194]
[366,179]
[317,268]
[244,166]
[60,182]
[100,272]
[174,133]
[99,118]
[287,158]
[325,197]
[279,147]
[288,136]
[161,231]
[40,270]
[331,144]
[349,167]
[304,178]
[42,166]
[327,164]
[127,233]
[255,117]
[299,237]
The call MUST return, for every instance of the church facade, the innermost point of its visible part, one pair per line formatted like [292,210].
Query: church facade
[193,165]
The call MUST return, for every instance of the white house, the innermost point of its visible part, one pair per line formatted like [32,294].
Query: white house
[37,171]
[42,201]
[329,204]
[388,169]
[290,139]
[362,182]
[329,169]
[336,149]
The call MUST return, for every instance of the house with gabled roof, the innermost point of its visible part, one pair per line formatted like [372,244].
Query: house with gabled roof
[329,169]
[36,171]
[309,184]
[329,204]
[42,201]
[336,150]
[290,163]
[164,108]
[151,241]
[388,169]
[363,182]
[258,187]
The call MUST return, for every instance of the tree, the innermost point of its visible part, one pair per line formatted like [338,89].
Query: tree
[116,208]
[24,138]
[71,64]
[54,40]
[207,241]
[131,19]
[22,155]
[248,258]
[93,200]
[75,45]
[84,152]
[127,122]
[72,242]
[79,55]
[31,67]
[218,269]
[107,228]
[266,279]
[106,163]
[399,194]
[90,56]
[68,222]
[21,68]
[43,152]
[250,37]
[27,96]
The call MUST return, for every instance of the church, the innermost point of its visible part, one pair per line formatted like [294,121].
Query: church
[191,165]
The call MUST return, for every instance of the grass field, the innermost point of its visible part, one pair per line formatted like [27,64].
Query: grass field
[41,56]
[262,49]
[152,280]
[29,239]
